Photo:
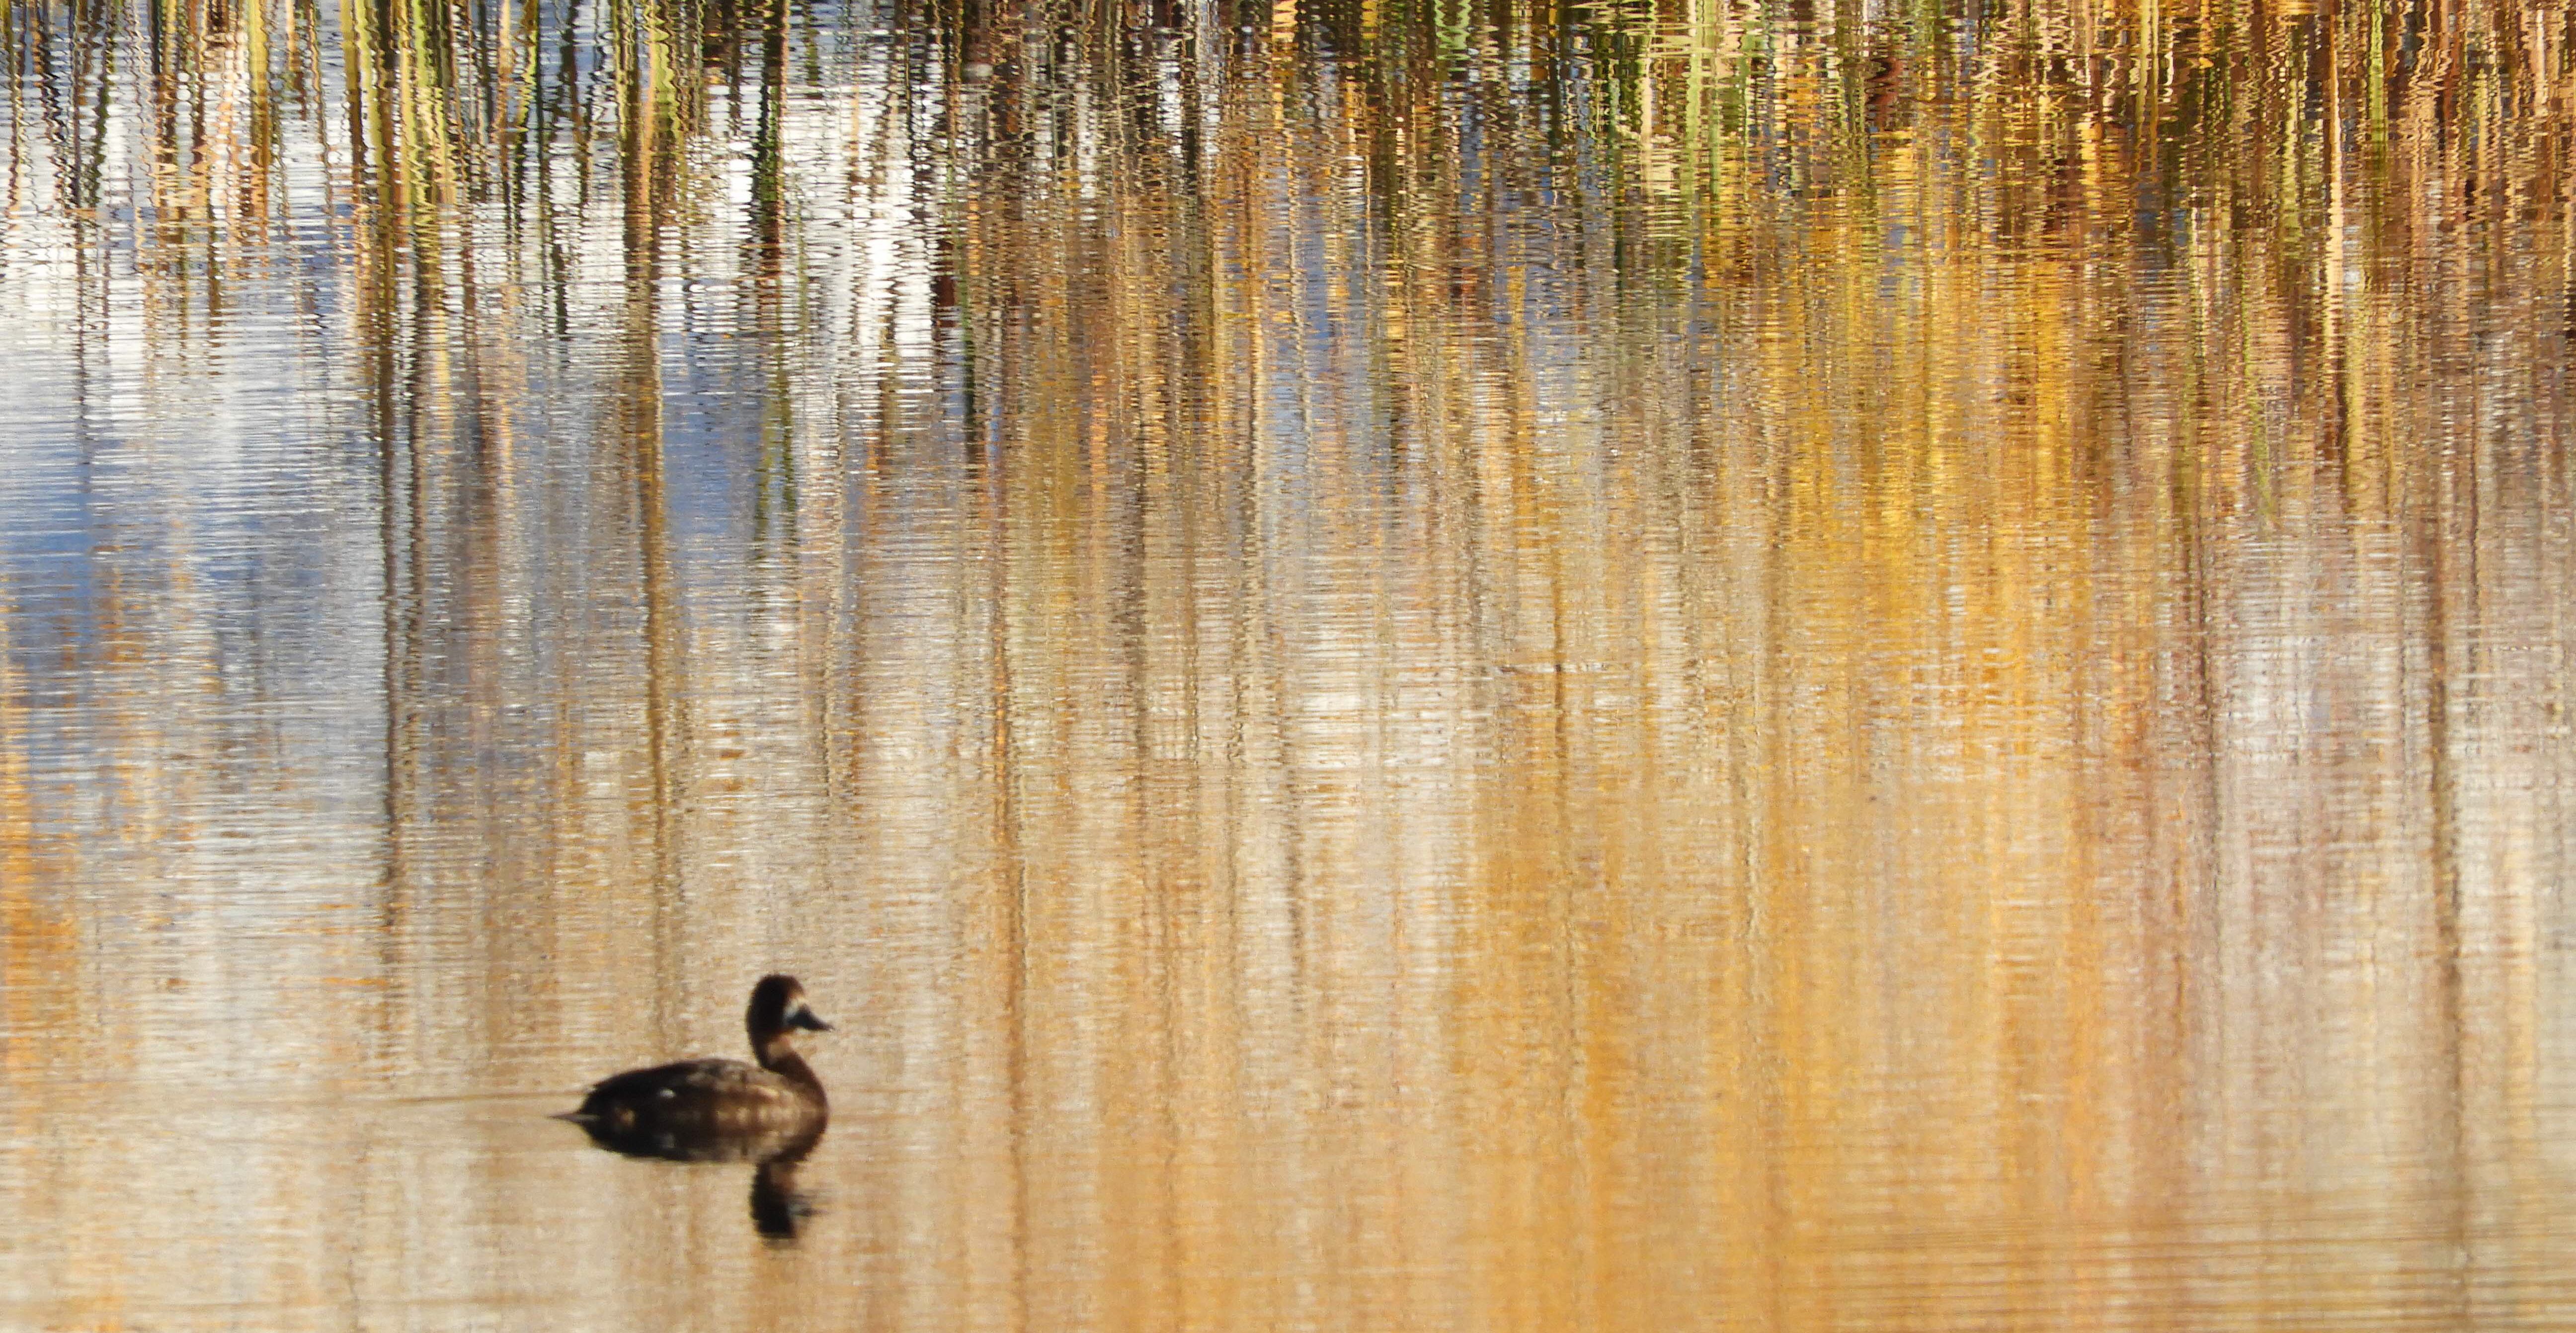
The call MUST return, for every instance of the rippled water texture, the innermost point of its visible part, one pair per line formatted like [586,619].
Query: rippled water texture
[1706,665]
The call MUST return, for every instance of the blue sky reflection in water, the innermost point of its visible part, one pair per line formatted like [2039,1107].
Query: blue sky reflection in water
[1449,667]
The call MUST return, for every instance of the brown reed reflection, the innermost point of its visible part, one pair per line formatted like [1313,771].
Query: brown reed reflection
[1514,665]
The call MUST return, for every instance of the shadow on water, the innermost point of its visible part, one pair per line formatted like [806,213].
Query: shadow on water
[779,1207]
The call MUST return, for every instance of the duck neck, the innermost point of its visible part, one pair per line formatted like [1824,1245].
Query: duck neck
[778,1056]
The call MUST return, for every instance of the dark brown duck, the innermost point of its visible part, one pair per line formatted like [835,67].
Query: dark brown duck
[700,1108]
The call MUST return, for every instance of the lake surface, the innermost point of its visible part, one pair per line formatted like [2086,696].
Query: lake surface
[1454,666]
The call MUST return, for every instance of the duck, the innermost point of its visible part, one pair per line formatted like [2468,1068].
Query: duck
[717,1109]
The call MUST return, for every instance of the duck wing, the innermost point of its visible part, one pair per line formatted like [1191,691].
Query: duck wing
[691,1098]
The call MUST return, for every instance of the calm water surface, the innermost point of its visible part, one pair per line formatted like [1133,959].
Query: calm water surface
[1666,666]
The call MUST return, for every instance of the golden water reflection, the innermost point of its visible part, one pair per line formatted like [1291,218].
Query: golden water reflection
[1673,667]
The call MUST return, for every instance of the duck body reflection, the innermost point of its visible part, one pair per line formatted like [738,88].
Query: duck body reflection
[720,1110]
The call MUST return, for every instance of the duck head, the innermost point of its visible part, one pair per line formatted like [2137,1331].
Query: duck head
[778,1008]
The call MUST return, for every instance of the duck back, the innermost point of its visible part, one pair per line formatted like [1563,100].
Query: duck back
[703,1097]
